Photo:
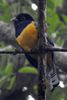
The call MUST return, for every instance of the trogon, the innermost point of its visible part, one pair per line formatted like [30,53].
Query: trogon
[27,37]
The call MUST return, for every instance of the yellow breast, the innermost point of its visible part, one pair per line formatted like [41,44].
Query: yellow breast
[28,37]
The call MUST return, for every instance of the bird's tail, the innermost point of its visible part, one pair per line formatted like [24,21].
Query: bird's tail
[53,78]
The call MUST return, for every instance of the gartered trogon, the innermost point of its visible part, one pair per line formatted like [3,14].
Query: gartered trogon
[27,37]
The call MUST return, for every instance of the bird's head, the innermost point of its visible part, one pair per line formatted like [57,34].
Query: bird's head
[21,18]
[21,21]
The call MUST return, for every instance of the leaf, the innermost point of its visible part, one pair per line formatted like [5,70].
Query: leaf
[65,18]
[5,10]
[50,4]
[11,84]
[60,41]
[9,69]
[3,80]
[57,3]
[53,21]
[29,69]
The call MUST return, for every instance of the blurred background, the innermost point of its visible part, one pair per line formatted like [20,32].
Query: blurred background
[18,79]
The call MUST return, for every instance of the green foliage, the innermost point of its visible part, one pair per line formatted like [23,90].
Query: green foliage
[5,74]
[50,4]
[59,41]
[58,2]
[53,4]
[11,83]
[2,44]
[65,18]
[28,69]
[54,22]
[9,69]
[5,10]
[3,80]
[59,94]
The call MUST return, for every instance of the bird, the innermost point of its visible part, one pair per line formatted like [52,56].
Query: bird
[26,33]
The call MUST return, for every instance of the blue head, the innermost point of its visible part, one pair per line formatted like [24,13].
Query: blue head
[21,21]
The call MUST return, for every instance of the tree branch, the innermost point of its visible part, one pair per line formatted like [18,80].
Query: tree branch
[7,33]
[41,58]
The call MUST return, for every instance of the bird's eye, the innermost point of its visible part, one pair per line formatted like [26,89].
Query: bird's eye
[23,18]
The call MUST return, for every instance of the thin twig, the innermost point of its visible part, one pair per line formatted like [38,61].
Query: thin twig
[43,51]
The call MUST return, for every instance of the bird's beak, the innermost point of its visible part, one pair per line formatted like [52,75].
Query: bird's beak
[13,19]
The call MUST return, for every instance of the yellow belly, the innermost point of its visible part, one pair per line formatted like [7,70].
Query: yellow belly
[28,37]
